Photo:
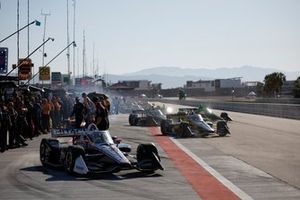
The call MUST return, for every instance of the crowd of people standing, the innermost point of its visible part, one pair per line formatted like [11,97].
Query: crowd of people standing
[25,117]
[91,111]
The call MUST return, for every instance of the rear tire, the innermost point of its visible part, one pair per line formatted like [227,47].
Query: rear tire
[132,119]
[163,127]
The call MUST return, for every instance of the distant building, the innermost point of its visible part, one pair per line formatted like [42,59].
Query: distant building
[229,83]
[287,88]
[156,86]
[208,86]
[132,85]
[212,85]
[120,86]
[252,83]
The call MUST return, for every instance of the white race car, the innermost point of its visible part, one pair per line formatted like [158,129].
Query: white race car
[85,151]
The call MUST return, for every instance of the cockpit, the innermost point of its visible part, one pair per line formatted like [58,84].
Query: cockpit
[195,118]
[100,137]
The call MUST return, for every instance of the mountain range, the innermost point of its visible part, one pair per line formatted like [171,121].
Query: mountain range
[172,77]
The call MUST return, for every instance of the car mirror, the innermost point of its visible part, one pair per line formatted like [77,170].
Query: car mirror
[116,139]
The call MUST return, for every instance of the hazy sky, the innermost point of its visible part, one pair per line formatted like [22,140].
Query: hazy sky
[130,35]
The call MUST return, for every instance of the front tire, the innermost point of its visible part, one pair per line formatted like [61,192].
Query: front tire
[148,158]
[222,128]
[70,158]
[49,154]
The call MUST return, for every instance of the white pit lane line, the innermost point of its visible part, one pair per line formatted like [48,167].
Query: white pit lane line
[241,194]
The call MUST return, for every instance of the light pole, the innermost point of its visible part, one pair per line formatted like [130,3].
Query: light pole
[18,34]
[68,39]
[44,67]
[44,34]
[28,27]
[19,64]
[74,7]
[37,23]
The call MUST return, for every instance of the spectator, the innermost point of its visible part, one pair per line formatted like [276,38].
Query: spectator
[90,109]
[78,111]
[46,109]
[12,140]
[102,120]
[37,117]
[4,121]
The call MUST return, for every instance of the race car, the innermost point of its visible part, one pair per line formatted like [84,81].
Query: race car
[146,117]
[88,151]
[188,123]
[208,114]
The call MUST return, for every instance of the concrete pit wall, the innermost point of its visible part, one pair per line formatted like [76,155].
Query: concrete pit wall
[291,111]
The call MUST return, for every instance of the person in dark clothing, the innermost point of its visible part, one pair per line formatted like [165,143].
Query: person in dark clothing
[78,111]
[29,132]
[4,123]
[56,120]
[12,141]
[37,117]
[22,124]
[102,121]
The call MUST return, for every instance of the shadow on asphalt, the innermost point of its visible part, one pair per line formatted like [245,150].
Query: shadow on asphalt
[200,137]
[58,174]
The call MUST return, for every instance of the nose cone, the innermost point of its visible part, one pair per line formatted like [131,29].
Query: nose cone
[115,154]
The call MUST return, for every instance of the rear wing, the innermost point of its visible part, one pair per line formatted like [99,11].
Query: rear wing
[56,133]
[66,132]
[188,110]
[138,111]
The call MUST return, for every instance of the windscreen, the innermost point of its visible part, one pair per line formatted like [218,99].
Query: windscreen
[99,137]
[195,118]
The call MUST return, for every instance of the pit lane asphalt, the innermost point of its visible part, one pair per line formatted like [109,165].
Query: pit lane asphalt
[261,156]
[23,177]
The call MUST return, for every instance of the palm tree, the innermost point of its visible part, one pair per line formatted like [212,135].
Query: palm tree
[273,83]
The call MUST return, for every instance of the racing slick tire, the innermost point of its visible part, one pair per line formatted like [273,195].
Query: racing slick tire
[148,158]
[185,131]
[163,127]
[133,119]
[150,121]
[72,153]
[46,152]
[222,128]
